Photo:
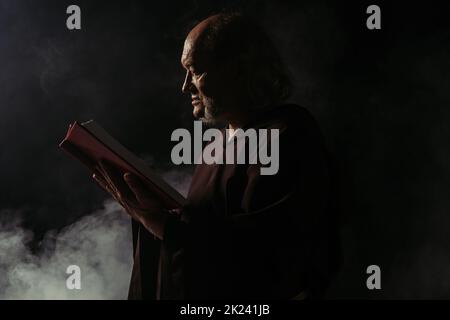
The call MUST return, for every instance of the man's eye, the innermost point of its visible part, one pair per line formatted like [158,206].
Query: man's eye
[196,73]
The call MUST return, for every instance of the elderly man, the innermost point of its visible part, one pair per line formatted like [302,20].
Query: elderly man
[242,234]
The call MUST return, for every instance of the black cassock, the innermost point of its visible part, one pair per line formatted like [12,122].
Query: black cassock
[247,235]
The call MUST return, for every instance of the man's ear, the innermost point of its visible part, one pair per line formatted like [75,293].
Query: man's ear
[235,70]
[227,68]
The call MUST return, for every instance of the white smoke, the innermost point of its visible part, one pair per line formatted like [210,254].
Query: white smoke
[99,243]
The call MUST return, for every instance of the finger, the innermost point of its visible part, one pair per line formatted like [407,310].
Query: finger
[135,186]
[104,185]
[140,191]
[116,182]
[130,207]
[107,185]
[99,177]
[125,194]
[105,176]
[100,181]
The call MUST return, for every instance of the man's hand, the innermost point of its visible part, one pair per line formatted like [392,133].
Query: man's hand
[133,196]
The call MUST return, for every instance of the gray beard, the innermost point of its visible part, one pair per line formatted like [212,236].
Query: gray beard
[212,113]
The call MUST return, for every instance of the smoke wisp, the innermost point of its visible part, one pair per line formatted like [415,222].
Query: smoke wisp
[99,243]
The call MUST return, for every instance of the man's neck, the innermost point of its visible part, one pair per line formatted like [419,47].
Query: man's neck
[238,121]
[233,126]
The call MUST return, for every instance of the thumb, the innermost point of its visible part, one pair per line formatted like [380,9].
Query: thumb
[138,188]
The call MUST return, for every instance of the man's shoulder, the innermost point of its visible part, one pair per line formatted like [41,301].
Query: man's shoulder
[287,116]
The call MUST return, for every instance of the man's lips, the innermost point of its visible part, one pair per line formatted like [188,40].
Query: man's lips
[195,101]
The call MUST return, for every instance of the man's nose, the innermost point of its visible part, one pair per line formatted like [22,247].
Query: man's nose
[187,85]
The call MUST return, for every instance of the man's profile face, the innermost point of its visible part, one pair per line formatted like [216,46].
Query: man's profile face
[196,81]
[207,83]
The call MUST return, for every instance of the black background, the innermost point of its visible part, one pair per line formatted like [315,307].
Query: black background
[380,96]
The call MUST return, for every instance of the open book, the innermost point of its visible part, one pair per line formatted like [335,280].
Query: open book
[90,143]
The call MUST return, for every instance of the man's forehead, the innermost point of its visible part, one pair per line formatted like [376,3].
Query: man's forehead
[193,53]
[191,44]
[186,56]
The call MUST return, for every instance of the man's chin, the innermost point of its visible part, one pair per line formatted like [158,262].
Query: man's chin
[210,121]
[198,112]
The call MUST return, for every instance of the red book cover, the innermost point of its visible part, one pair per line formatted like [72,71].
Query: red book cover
[90,143]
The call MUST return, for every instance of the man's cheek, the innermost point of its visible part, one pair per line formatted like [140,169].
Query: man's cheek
[206,86]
